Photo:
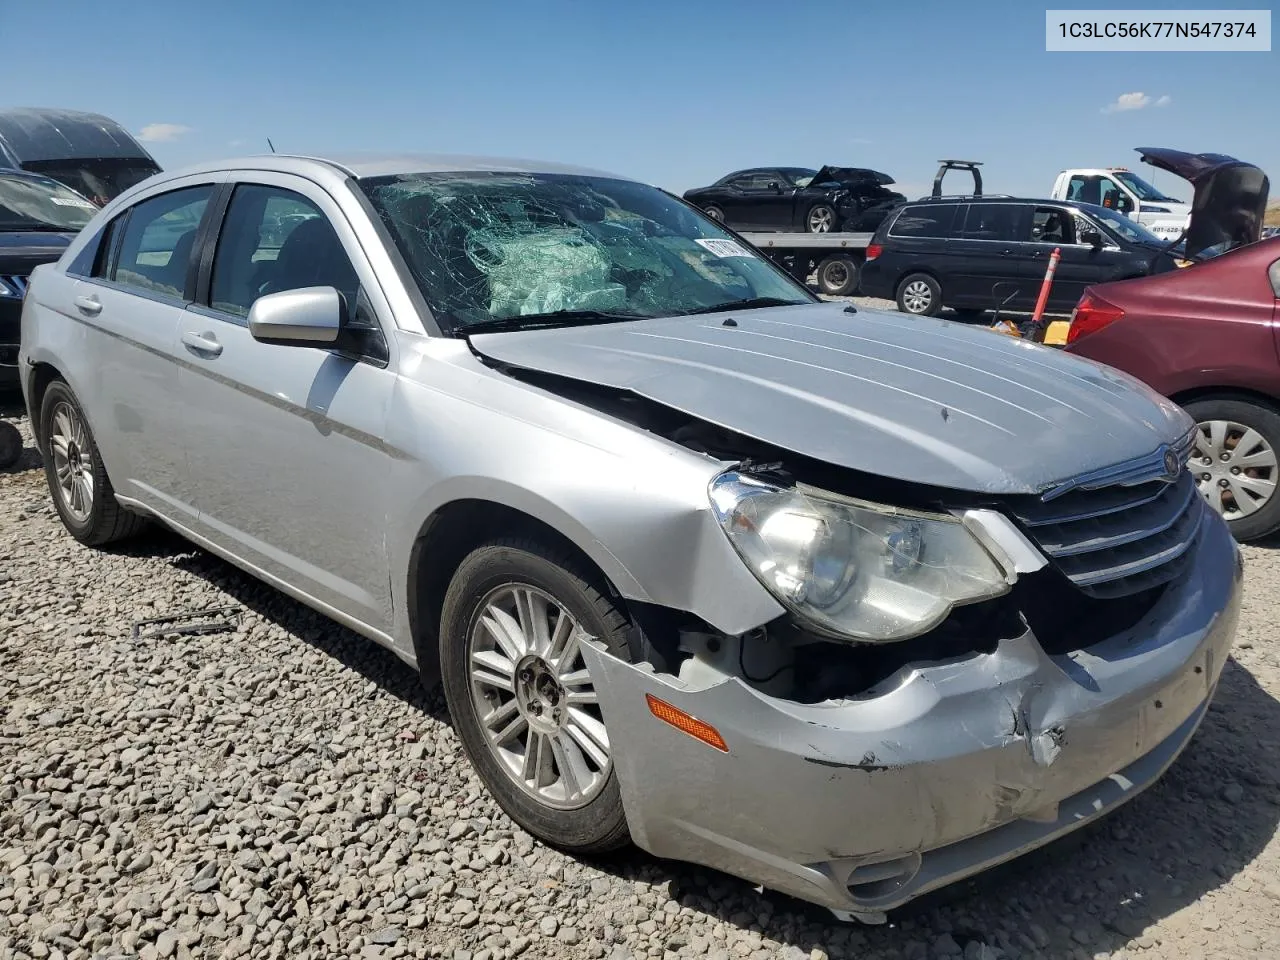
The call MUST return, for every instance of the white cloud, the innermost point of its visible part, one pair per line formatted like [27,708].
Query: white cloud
[1136,101]
[162,132]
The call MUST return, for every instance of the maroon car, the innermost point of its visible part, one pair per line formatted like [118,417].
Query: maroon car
[1207,336]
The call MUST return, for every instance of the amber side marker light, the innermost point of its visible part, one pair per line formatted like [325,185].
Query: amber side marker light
[685,723]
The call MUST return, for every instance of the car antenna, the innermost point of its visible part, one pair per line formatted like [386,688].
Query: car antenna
[271,145]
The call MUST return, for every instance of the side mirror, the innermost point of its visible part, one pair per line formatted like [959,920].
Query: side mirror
[307,317]
[775,186]
[1091,237]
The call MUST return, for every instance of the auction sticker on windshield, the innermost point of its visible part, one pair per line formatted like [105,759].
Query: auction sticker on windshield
[723,248]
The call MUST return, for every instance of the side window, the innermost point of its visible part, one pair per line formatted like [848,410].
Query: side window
[991,221]
[273,239]
[927,220]
[1051,225]
[159,237]
[1075,187]
[88,257]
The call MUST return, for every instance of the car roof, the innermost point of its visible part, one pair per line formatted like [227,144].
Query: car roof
[997,199]
[363,165]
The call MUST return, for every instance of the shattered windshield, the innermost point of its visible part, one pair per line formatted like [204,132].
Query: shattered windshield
[495,249]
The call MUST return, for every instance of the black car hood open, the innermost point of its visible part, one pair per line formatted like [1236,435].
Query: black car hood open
[1230,197]
[842,175]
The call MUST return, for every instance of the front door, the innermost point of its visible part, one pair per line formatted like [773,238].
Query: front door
[288,441]
[1081,263]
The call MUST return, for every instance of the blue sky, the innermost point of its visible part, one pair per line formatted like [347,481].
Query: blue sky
[675,93]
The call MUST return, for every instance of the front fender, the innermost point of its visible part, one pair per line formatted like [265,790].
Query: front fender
[636,504]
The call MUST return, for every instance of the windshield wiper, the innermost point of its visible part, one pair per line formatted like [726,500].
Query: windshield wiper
[39,228]
[751,303]
[545,321]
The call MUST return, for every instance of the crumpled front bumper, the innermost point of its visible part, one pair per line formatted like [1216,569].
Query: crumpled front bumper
[864,805]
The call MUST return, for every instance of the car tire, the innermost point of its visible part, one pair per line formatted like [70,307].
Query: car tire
[920,295]
[821,218]
[838,275]
[78,483]
[714,212]
[1225,423]
[10,445]
[474,661]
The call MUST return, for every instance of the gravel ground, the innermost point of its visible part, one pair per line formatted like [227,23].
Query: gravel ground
[288,789]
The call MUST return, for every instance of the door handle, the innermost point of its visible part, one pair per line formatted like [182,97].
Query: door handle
[89,305]
[202,343]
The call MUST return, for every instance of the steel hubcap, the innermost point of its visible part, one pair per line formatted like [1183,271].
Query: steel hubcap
[836,274]
[820,220]
[535,699]
[1234,467]
[72,465]
[917,296]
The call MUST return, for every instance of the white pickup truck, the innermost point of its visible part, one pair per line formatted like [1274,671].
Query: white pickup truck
[1125,192]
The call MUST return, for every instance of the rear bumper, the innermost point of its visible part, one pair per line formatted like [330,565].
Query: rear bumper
[864,805]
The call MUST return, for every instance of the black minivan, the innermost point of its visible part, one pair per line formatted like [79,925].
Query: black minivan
[983,252]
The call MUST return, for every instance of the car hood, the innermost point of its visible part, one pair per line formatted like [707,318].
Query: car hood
[22,250]
[909,398]
[842,175]
[1230,200]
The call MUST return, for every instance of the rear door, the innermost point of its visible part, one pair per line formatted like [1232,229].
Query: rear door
[129,308]
[288,441]
[990,251]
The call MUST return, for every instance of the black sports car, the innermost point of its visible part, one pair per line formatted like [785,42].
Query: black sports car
[852,199]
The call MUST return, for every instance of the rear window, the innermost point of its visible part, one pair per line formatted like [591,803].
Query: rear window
[927,220]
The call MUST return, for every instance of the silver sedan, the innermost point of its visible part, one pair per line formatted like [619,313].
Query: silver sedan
[847,603]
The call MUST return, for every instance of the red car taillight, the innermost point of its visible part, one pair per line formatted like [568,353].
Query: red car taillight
[1091,314]
[874,250]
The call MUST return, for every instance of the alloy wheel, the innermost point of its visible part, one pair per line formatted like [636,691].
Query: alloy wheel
[534,698]
[821,219]
[72,462]
[917,296]
[1234,468]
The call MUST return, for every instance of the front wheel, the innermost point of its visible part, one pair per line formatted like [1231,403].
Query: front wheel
[920,294]
[714,212]
[838,276]
[1234,462]
[522,700]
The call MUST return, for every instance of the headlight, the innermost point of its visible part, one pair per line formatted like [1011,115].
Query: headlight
[854,568]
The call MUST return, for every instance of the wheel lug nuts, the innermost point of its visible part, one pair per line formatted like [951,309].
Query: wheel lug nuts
[1225,457]
[535,708]
[1235,470]
[1205,477]
[1223,482]
[1207,460]
[526,675]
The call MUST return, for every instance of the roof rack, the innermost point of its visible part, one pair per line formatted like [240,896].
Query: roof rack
[969,165]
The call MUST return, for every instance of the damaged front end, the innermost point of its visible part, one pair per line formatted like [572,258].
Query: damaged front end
[1064,660]
[859,776]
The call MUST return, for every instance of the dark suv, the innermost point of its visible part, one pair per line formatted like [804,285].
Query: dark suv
[38,218]
[979,253]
